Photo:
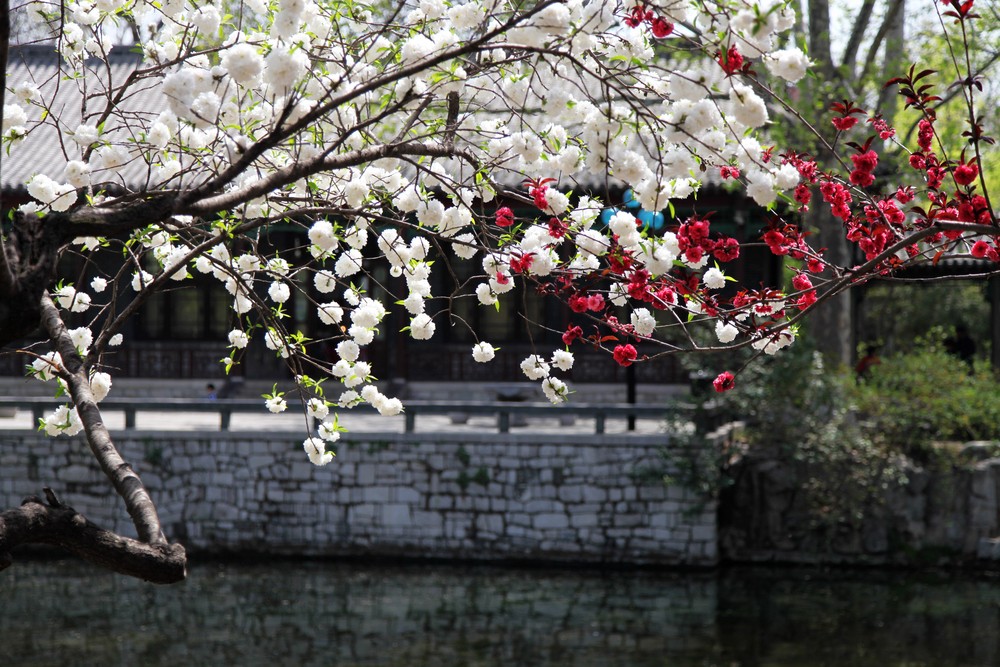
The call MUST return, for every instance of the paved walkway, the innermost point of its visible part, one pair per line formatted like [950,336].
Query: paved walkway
[360,422]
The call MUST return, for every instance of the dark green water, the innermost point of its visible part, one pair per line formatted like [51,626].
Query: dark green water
[332,613]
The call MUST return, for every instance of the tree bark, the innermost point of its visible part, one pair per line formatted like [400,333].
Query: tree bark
[125,480]
[151,557]
[51,522]
[831,325]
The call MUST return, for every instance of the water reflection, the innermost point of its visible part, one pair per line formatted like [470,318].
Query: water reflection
[291,613]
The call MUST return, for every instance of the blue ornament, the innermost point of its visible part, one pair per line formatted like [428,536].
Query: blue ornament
[630,200]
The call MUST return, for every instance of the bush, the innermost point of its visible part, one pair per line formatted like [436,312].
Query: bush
[804,413]
[913,399]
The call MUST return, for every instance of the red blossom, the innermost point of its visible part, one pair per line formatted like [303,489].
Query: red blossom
[538,194]
[521,264]
[726,250]
[866,161]
[557,228]
[664,297]
[845,111]
[504,217]
[935,177]
[862,178]
[884,130]
[803,194]
[724,382]
[776,241]
[925,134]
[571,334]
[807,299]
[579,304]
[966,173]
[694,254]
[727,172]
[697,229]
[731,61]
[844,123]
[661,28]
[801,282]
[980,249]
[625,355]
[904,195]
[636,16]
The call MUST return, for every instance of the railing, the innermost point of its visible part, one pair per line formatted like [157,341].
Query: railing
[507,413]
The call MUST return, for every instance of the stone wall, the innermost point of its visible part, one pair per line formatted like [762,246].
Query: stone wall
[476,496]
[934,515]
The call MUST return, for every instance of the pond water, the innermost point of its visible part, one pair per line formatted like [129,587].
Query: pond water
[63,613]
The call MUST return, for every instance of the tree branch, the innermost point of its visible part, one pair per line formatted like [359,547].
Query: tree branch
[112,221]
[297,170]
[124,479]
[857,34]
[891,15]
[51,522]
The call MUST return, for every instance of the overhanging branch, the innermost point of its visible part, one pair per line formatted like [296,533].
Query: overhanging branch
[40,522]
[124,479]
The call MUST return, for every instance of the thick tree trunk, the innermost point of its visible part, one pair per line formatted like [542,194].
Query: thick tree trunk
[831,325]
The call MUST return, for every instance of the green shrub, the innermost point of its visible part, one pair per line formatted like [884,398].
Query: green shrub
[804,412]
[913,399]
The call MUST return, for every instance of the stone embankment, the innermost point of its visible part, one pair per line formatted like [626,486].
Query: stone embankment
[573,497]
[932,515]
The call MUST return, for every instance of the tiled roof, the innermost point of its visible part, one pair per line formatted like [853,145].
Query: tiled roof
[956,266]
[73,101]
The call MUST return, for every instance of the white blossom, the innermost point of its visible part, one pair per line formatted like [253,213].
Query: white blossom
[46,366]
[790,64]
[82,338]
[238,339]
[422,327]
[643,321]
[714,279]
[555,390]
[726,332]
[317,408]
[315,448]
[483,352]
[563,360]
[72,300]
[100,385]
[534,367]
[279,292]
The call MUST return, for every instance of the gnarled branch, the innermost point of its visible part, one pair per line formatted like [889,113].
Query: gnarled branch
[51,522]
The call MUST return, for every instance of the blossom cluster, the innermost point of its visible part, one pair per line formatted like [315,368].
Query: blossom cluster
[408,137]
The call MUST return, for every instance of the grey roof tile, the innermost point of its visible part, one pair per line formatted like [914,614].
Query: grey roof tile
[85,99]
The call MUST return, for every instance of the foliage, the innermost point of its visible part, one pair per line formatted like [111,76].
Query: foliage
[801,412]
[927,395]
[898,316]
